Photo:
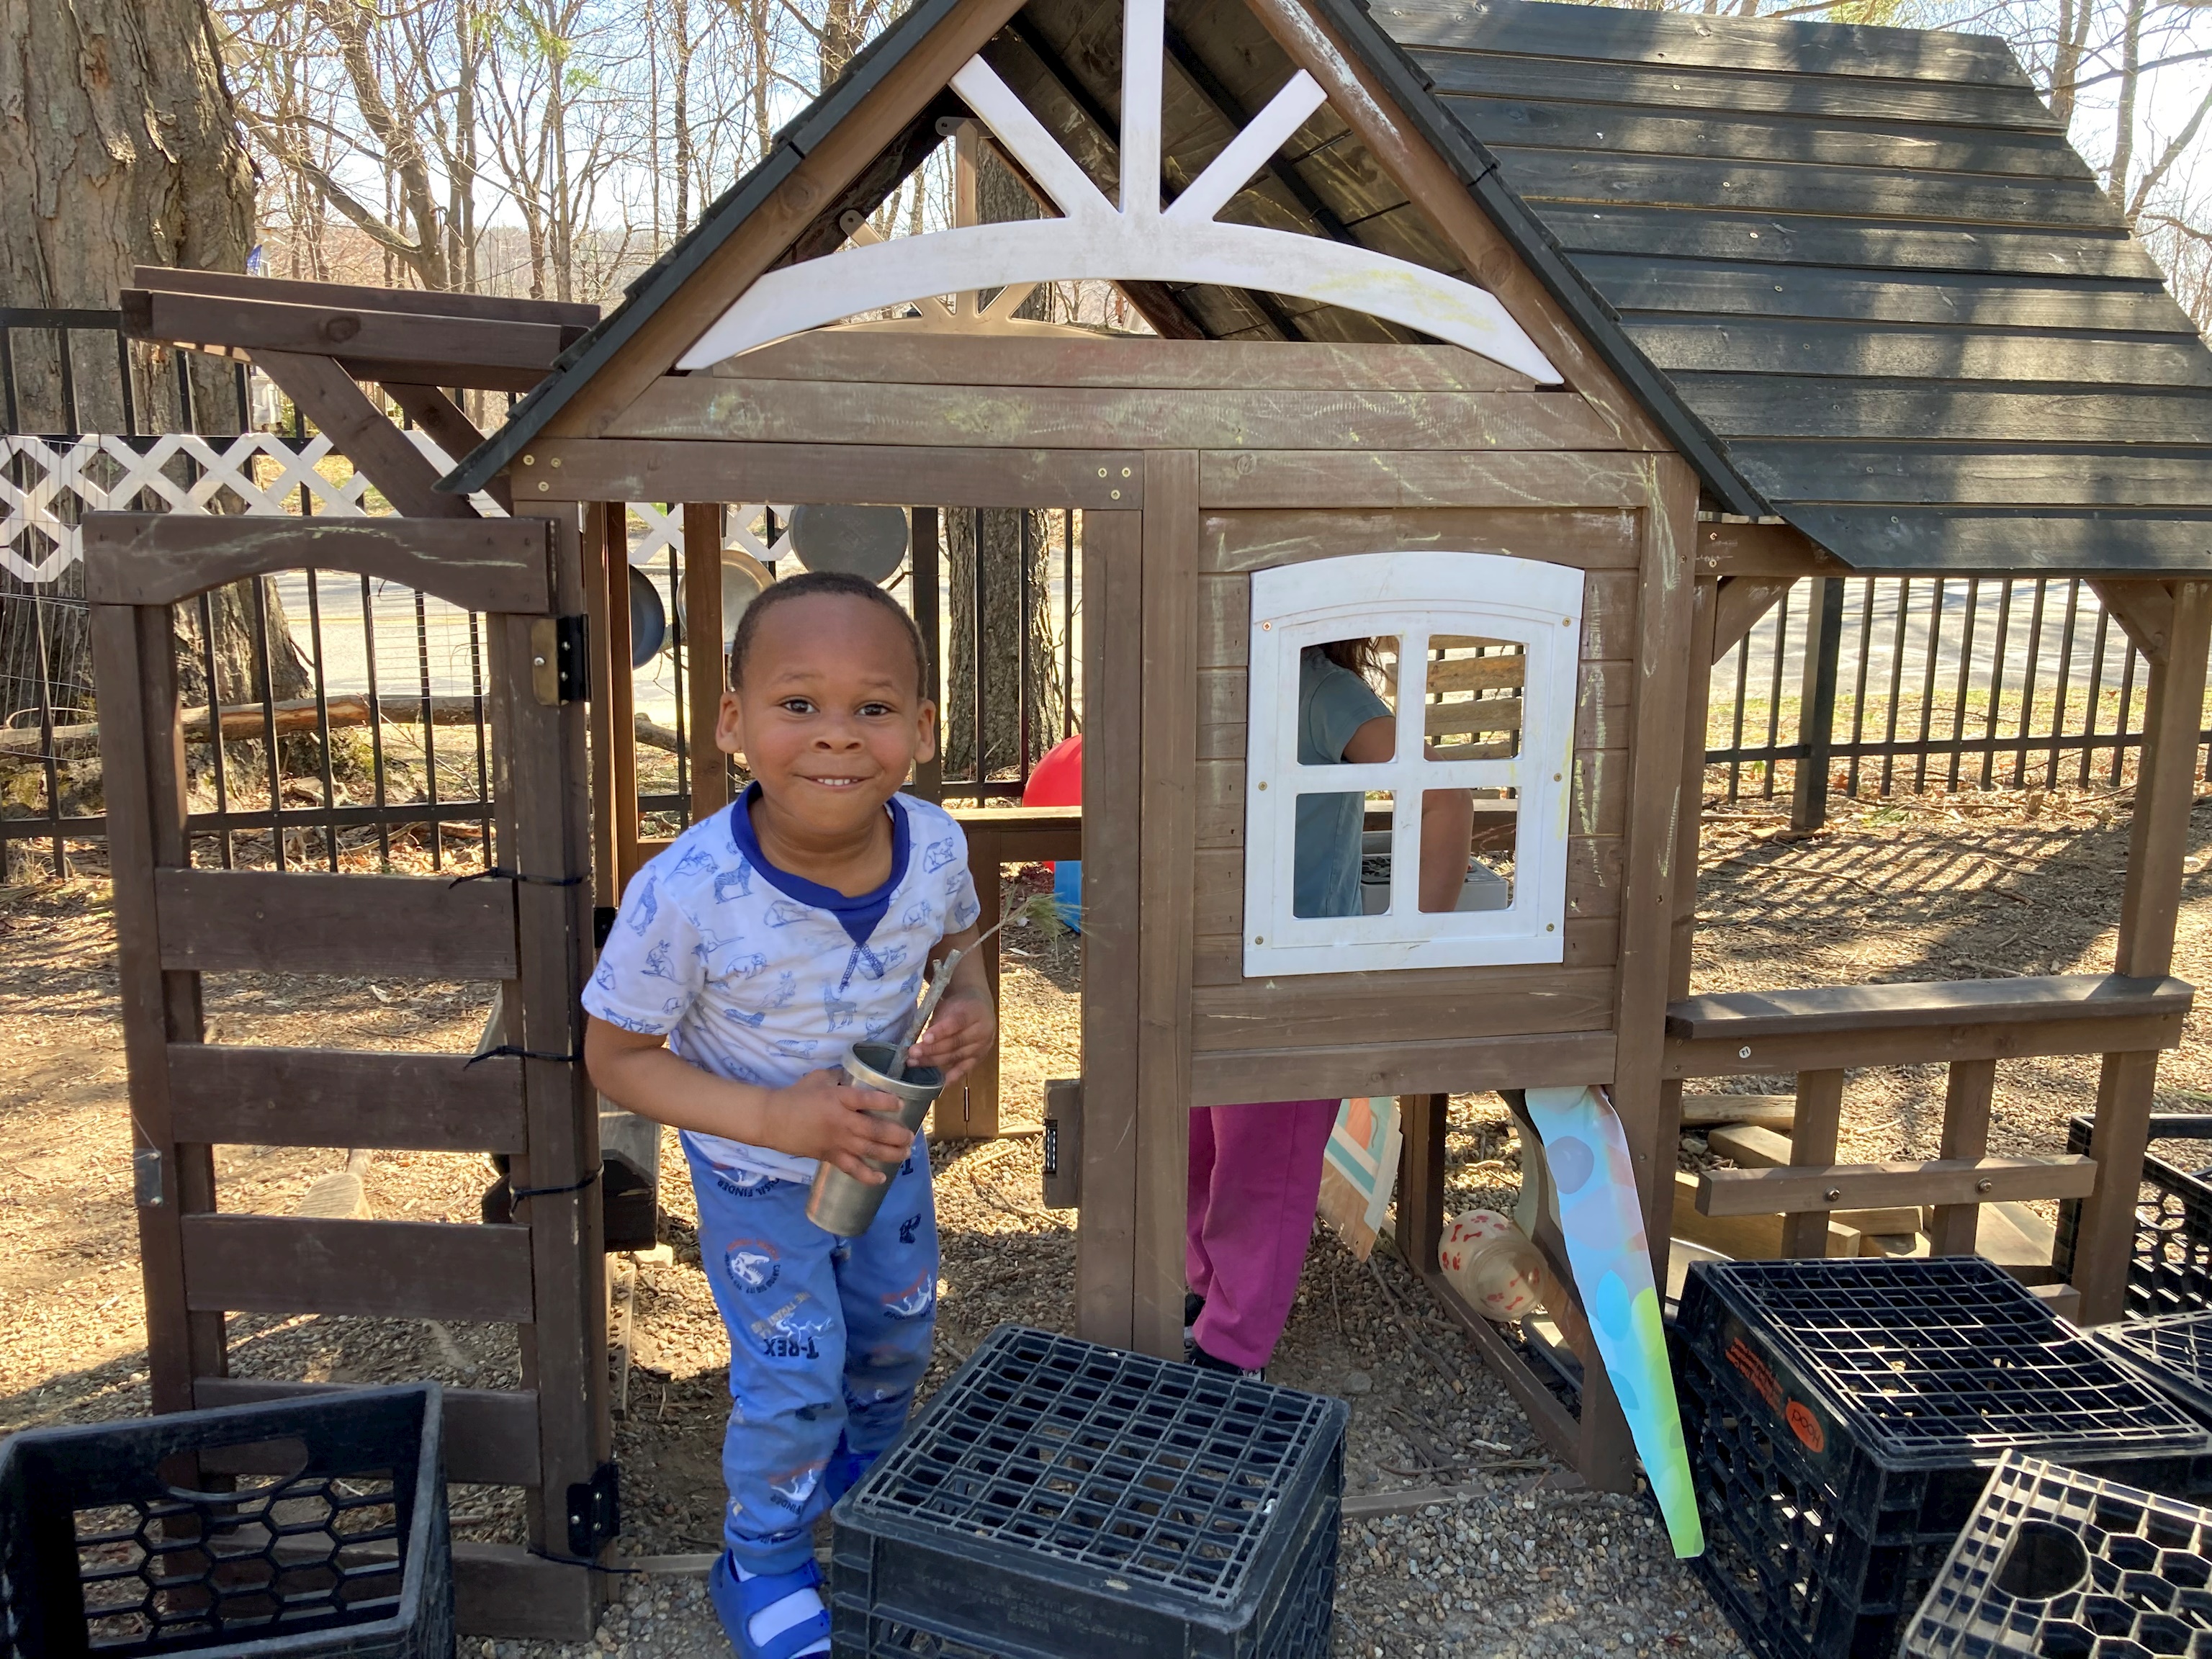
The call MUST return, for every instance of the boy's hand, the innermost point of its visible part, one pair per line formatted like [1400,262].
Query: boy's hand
[823,1116]
[961,1035]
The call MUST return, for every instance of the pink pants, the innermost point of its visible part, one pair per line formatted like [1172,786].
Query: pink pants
[1254,1175]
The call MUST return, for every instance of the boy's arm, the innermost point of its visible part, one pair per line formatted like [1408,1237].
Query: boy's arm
[965,1024]
[819,1116]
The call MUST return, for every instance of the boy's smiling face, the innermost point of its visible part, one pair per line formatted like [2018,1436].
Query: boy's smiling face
[829,715]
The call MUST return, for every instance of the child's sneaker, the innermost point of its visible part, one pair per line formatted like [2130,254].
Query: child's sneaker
[1206,1362]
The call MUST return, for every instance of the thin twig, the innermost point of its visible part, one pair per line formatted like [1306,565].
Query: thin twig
[1406,1325]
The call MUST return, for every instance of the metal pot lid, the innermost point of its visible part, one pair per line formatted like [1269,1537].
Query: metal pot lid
[868,542]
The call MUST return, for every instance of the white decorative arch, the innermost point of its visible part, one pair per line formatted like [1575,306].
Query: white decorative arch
[1135,241]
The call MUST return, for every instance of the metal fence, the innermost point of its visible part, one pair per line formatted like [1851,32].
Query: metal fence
[1927,683]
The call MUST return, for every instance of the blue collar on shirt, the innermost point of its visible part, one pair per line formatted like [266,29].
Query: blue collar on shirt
[857,913]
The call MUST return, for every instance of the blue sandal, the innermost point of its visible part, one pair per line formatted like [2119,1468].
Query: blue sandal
[738,1601]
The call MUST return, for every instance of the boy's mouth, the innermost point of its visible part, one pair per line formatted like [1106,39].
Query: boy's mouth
[836,783]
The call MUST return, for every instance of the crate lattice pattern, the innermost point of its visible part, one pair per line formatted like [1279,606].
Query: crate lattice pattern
[2058,1565]
[276,1555]
[1109,1460]
[1951,1357]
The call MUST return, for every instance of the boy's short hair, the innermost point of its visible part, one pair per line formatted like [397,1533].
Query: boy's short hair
[814,582]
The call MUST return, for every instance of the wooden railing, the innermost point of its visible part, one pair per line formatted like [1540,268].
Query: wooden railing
[1969,1026]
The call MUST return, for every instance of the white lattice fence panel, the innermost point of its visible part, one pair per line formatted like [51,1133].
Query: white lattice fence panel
[655,530]
[257,473]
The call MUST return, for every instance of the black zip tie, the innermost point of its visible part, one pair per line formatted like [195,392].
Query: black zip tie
[516,875]
[509,1049]
[516,1195]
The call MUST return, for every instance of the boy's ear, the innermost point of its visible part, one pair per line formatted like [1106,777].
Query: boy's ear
[925,748]
[730,726]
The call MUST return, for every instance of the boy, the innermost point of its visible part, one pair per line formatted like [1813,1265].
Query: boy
[747,960]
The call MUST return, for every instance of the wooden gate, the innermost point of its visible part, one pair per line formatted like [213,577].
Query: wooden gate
[523,925]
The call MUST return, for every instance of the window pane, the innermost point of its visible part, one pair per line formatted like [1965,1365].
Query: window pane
[1481,826]
[1347,699]
[1330,862]
[1474,697]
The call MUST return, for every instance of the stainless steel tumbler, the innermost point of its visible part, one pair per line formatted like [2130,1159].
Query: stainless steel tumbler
[838,1204]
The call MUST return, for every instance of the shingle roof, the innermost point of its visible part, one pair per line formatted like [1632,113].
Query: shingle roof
[1869,260]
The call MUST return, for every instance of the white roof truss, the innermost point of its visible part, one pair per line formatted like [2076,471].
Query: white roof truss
[1134,241]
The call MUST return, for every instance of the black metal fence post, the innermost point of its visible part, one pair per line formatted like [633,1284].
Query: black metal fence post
[1816,705]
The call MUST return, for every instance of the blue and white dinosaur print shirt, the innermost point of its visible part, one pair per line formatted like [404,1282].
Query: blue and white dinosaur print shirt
[762,976]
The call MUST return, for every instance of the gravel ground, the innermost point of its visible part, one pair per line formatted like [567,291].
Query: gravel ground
[1941,887]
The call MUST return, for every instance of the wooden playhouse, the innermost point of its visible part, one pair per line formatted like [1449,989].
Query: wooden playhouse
[1552,343]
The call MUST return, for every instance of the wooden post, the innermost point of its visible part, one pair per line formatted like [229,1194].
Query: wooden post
[1955,1227]
[1654,867]
[929,775]
[1422,1122]
[2158,839]
[1813,1145]
[544,835]
[141,754]
[971,1112]
[1166,895]
[1113,678]
[604,654]
[1816,704]
[620,694]
[704,677]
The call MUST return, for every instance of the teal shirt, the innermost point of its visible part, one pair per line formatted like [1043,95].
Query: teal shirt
[1333,702]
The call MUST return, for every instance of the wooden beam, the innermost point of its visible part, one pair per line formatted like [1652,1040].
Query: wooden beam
[273,921]
[718,409]
[1113,677]
[357,333]
[505,1590]
[2040,999]
[1360,475]
[327,395]
[1920,1045]
[1742,601]
[1763,549]
[374,1269]
[449,427]
[642,470]
[235,1095]
[416,301]
[1440,1063]
[2144,609]
[160,558]
[491,1434]
[1963,1182]
[2150,902]
[1168,714]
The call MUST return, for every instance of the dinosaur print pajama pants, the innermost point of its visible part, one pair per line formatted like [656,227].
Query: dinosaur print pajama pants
[828,1338]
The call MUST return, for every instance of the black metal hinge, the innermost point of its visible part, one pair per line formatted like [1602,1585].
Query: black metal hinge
[558,670]
[594,1513]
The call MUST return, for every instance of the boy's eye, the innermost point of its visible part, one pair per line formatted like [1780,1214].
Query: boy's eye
[797,705]
[873,709]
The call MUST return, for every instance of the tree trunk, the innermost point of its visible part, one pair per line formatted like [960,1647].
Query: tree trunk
[135,157]
[1016,544]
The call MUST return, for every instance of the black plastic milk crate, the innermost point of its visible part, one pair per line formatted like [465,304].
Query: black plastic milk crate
[2059,1565]
[1843,1417]
[2175,1351]
[2170,1264]
[1062,1500]
[307,1529]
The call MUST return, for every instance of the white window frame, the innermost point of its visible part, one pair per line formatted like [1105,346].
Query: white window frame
[1411,595]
